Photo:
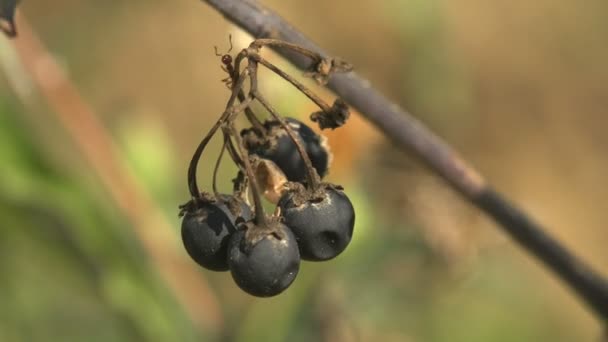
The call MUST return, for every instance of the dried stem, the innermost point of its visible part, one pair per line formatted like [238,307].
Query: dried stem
[216,168]
[301,87]
[408,133]
[234,154]
[228,113]
[311,172]
[233,73]
[255,122]
[260,216]
[259,43]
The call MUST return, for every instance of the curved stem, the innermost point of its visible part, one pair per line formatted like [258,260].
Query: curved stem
[301,87]
[311,172]
[239,191]
[233,74]
[228,113]
[259,43]
[192,183]
[235,155]
[260,216]
[216,168]
[255,122]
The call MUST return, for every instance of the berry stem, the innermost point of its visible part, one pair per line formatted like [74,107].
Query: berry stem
[311,173]
[216,168]
[259,43]
[233,73]
[301,87]
[234,154]
[192,184]
[226,116]
[260,216]
[255,122]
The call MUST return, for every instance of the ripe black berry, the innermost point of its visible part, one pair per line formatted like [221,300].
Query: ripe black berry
[279,148]
[264,261]
[322,223]
[207,227]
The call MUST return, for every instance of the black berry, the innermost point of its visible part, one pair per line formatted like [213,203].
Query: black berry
[207,227]
[264,261]
[323,223]
[278,147]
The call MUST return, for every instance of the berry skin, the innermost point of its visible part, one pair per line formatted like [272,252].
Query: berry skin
[206,230]
[279,148]
[264,262]
[323,225]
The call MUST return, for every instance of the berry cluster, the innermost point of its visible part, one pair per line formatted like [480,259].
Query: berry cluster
[281,159]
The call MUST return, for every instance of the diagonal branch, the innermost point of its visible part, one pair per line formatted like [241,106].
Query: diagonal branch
[408,133]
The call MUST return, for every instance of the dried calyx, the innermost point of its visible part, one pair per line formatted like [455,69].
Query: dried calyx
[333,118]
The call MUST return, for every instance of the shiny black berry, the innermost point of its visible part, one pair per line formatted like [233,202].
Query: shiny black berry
[323,223]
[278,147]
[207,227]
[264,261]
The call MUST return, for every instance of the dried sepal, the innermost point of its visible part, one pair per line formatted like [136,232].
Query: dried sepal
[321,70]
[334,118]
[270,178]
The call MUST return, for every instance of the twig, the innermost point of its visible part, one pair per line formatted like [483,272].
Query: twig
[408,133]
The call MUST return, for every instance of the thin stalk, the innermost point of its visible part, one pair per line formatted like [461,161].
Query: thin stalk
[216,168]
[311,173]
[259,43]
[235,155]
[260,216]
[255,122]
[233,73]
[301,87]
[192,183]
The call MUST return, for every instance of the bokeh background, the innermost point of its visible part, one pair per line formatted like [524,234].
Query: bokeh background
[89,233]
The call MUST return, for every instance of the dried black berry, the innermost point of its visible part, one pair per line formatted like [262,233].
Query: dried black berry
[207,227]
[278,147]
[322,223]
[264,261]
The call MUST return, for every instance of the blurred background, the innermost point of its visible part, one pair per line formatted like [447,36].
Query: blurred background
[92,171]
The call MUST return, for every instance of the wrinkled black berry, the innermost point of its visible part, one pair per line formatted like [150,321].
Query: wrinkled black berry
[323,226]
[279,148]
[206,230]
[264,263]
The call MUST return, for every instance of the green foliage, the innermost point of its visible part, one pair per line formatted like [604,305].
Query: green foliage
[71,269]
